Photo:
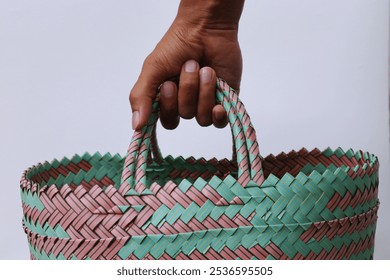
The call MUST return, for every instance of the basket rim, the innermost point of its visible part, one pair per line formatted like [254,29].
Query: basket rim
[360,169]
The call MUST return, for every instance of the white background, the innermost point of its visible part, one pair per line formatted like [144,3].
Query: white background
[315,75]
[102,270]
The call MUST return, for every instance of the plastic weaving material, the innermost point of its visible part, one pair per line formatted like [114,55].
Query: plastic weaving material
[300,205]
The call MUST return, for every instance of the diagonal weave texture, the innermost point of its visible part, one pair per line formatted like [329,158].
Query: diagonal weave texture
[301,205]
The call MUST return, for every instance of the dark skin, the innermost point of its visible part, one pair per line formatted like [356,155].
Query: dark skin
[200,46]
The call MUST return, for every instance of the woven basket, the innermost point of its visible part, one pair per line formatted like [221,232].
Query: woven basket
[300,205]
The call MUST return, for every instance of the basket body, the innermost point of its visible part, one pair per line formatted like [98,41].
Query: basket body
[300,205]
[312,205]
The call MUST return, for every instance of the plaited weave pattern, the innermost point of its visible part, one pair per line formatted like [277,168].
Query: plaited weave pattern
[300,205]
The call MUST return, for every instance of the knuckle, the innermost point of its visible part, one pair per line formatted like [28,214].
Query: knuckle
[134,96]
[189,85]
[159,61]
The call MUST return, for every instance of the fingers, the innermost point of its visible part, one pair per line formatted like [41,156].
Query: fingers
[188,89]
[208,113]
[220,118]
[144,92]
[206,100]
[169,115]
[194,97]
[140,105]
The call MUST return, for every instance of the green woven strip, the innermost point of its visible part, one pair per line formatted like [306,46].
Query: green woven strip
[46,230]
[32,200]
[106,165]
[156,245]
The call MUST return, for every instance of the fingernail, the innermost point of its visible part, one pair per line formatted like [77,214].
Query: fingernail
[168,89]
[205,75]
[220,115]
[135,119]
[190,66]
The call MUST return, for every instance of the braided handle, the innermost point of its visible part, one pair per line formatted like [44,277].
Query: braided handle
[144,144]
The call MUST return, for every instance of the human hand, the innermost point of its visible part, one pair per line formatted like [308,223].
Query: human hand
[200,45]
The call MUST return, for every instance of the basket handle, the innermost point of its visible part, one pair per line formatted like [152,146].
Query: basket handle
[144,145]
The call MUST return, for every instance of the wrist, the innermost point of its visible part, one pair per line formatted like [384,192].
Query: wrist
[211,14]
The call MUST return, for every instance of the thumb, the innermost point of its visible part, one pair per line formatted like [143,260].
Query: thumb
[144,91]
